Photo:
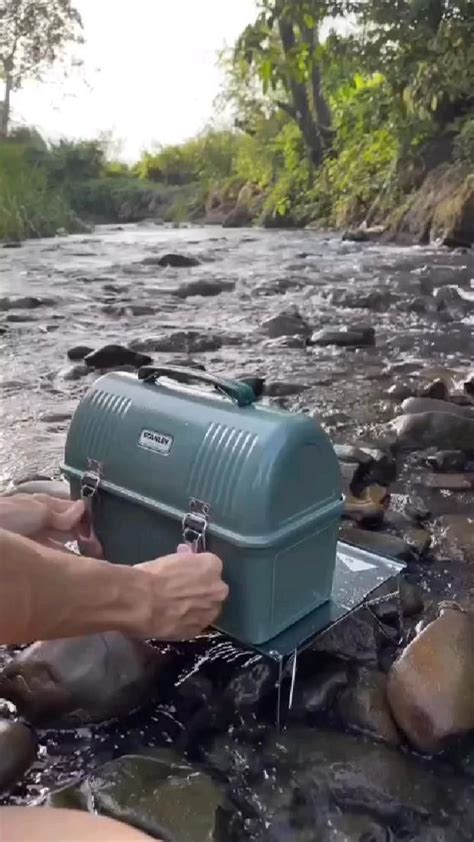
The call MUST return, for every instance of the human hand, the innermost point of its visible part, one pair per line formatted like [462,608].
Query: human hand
[40,517]
[186,595]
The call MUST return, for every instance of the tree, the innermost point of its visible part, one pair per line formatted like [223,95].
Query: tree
[283,47]
[33,34]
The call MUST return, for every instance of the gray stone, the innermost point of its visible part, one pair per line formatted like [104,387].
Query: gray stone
[287,323]
[25,302]
[180,342]
[449,482]
[416,405]
[377,542]
[78,353]
[317,694]
[437,390]
[55,488]
[161,794]
[82,680]
[349,453]
[434,429]
[177,261]
[74,372]
[455,537]
[111,356]
[18,747]
[362,706]
[399,392]
[204,288]
[344,338]
[447,461]
[282,388]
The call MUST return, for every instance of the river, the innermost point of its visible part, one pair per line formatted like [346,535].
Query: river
[104,288]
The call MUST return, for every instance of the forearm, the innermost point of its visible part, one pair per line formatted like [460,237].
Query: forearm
[47,594]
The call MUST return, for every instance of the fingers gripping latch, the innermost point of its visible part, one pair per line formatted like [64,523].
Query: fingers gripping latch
[195,523]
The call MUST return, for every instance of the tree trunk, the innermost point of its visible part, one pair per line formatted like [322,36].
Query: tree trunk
[5,109]
[299,97]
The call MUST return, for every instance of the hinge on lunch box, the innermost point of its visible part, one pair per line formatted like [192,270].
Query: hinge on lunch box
[91,479]
[195,523]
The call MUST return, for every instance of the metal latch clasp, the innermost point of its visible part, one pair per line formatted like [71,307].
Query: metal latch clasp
[91,479]
[195,523]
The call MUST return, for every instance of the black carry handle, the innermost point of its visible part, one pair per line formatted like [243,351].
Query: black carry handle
[241,393]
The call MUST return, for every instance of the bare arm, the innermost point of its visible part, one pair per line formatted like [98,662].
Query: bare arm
[47,593]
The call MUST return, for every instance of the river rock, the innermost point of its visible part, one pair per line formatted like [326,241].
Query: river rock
[448,298]
[353,639]
[179,342]
[345,337]
[287,323]
[18,748]
[455,536]
[250,685]
[204,288]
[349,453]
[55,488]
[14,244]
[74,372]
[284,388]
[447,461]
[369,506]
[399,392]
[437,390]
[161,794]
[434,429]
[363,707]
[363,234]
[25,302]
[317,693]
[78,353]
[376,542]
[468,385]
[415,405]
[82,680]
[449,482]
[176,261]
[371,300]
[111,356]
[431,686]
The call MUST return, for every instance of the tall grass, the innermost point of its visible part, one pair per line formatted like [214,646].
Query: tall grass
[29,207]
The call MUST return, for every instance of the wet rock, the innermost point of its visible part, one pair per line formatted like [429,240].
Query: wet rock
[287,323]
[410,597]
[437,390]
[372,300]
[369,506]
[344,338]
[369,778]
[55,417]
[431,686]
[416,405]
[449,482]
[455,536]
[180,342]
[249,687]
[416,509]
[354,639]
[12,245]
[78,353]
[447,461]
[55,488]
[399,392]
[418,539]
[351,475]
[74,372]
[161,794]
[111,356]
[26,302]
[176,261]
[376,542]
[363,235]
[317,693]
[204,288]
[382,469]
[282,388]
[349,453]
[279,342]
[18,748]
[468,385]
[448,297]
[82,680]
[362,706]
[434,429]
[19,318]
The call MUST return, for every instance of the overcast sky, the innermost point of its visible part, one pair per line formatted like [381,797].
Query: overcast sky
[150,68]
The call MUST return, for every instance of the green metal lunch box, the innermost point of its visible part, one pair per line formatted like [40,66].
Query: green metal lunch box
[163,462]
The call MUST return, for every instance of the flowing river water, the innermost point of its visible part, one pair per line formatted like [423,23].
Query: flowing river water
[316,780]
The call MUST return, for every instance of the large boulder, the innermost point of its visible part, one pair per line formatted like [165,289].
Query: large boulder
[431,686]
[82,680]
[248,206]
[434,429]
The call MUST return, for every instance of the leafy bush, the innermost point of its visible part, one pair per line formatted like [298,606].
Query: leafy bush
[29,206]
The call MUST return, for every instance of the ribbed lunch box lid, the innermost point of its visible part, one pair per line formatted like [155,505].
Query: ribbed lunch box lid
[226,450]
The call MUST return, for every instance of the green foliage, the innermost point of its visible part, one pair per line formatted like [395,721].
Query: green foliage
[464,144]
[29,207]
